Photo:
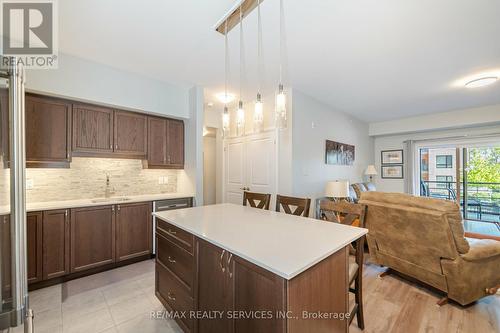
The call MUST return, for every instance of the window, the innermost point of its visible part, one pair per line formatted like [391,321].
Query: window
[444,181]
[444,161]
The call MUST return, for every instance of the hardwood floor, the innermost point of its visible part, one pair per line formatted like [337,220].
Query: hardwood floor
[393,304]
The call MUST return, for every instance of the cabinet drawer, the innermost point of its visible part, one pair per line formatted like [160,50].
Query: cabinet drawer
[176,235]
[174,294]
[178,260]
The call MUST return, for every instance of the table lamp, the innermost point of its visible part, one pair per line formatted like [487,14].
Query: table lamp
[371,171]
[337,189]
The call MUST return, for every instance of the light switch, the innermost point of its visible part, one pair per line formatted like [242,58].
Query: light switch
[30,184]
[160,180]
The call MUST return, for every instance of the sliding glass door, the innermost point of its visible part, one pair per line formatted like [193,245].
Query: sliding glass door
[469,175]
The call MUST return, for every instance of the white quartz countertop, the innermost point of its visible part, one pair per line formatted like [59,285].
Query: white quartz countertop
[284,244]
[92,202]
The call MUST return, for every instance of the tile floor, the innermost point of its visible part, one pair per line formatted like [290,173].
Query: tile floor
[120,300]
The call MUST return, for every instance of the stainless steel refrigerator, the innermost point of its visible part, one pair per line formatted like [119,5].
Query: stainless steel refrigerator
[14,305]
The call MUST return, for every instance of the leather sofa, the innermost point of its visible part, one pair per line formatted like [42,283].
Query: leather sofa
[424,238]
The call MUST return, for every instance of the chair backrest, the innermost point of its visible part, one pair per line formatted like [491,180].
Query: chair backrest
[343,212]
[257,200]
[416,231]
[301,205]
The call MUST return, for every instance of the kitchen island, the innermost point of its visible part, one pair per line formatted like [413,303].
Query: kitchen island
[229,268]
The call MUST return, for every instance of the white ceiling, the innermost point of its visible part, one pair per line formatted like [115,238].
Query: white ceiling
[376,60]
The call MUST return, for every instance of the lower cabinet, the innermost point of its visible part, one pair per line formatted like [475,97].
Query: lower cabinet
[55,243]
[34,226]
[212,280]
[133,230]
[92,237]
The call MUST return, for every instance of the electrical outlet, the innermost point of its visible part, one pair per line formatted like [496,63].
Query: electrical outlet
[165,180]
[30,184]
[160,180]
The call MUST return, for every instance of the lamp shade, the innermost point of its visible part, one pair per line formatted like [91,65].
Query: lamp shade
[337,189]
[371,171]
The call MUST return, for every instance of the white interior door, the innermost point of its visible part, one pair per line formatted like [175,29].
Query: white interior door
[249,163]
[234,169]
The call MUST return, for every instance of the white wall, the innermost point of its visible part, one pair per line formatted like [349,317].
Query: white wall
[192,180]
[85,80]
[396,142]
[475,117]
[314,123]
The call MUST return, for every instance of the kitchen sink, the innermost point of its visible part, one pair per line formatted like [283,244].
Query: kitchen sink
[112,199]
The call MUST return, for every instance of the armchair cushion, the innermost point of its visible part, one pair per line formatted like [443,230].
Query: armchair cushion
[481,249]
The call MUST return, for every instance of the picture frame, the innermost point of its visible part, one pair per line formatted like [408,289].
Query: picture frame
[391,156]
[392,171]
[337,153]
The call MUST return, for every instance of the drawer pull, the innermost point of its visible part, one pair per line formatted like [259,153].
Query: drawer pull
[223,269]
[171,206]
[170,231]
[170,260]
[171,297]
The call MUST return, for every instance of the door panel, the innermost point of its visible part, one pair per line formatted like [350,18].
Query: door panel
[133,230]
[92,237]
[34,225]
[130,134]
[92,130]
[261,161]
[55,248]
[235,170]
[157,141]
[175,143]
[47,131]
[214,293]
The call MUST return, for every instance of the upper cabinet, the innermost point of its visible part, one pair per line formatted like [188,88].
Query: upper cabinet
[165,143]
[47,132]
[92,130]
[130,134]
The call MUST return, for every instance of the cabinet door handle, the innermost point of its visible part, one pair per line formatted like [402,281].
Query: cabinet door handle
[171,296]
[111,146]
[112,208]
[221,264]
[168,158]
[170,260]
[66,213]
[229,265]
[118,207]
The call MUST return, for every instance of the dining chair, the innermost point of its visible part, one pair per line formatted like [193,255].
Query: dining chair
[350,214]
[301,205]
[257,200]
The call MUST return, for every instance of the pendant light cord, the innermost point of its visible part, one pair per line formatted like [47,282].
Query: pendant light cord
[282,40]
[226,63]
[242,55]
[259,49]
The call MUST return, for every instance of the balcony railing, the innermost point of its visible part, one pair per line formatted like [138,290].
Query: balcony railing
[482,200]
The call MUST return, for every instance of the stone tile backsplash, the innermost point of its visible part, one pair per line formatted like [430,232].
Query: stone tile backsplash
[86,178]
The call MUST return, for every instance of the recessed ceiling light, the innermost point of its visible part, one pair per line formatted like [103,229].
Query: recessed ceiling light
[225,98]
[481,82]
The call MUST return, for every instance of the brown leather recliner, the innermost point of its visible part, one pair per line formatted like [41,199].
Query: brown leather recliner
[424,238]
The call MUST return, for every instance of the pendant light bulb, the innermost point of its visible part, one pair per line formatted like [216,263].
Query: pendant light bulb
[225,120]
[281,108]
[240,119]
[258,115]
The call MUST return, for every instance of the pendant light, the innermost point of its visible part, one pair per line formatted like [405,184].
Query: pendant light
[258,115]
[240,113]
[281,121]
[225,114]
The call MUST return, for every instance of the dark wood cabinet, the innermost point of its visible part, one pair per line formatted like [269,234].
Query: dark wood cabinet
[133,230]
[175,144]
[214,287]
[48,139]
[165,143]
[34,225]
[5,263]
[55,243]
[130,134]
[92,237]
[92,130]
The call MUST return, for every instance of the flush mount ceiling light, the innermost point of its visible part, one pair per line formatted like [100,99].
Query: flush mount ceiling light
[481,82]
